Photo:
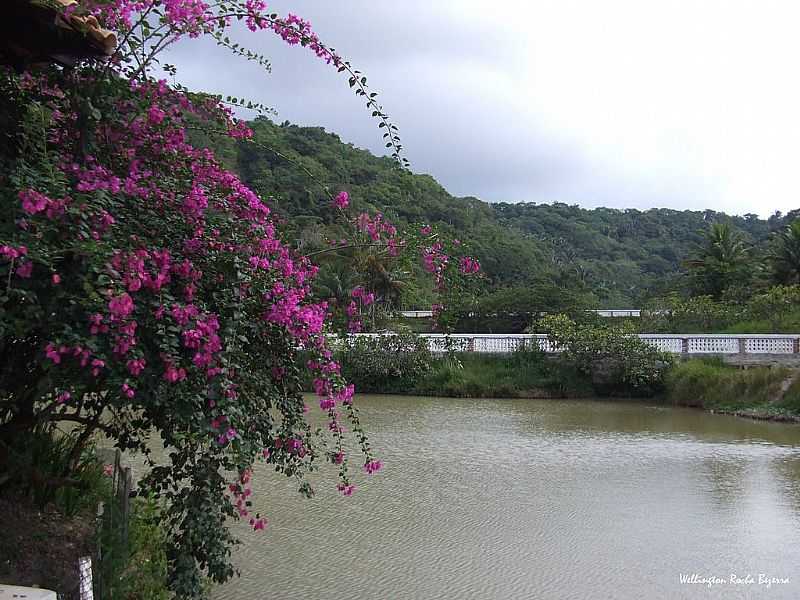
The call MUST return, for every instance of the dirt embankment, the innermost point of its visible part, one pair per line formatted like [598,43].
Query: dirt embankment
[41,547]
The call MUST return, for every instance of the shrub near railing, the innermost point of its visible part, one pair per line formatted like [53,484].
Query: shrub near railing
[617,361]
[386,363]
[405,364]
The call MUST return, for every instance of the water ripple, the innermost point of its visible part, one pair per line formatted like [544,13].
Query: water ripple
[524,499]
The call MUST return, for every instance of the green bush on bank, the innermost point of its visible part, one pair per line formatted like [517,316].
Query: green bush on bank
[616,361]
[46,477]
[791,399]
[49,493]
[385,364]
[595,359]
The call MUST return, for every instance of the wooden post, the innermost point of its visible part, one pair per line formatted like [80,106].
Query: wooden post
[684,345]
[797,345]
[742,346]
[126,483]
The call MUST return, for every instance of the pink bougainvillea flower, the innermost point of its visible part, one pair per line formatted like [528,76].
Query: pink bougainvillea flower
[120,306]
[33,202]
[139,214]
[155,115]
[469,265]
[136,366]
[342,200]
[25,269]
[97,366]
[373,466]
[52,353]
[345,489]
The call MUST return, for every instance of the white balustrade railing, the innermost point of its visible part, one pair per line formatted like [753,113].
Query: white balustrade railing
[602,312]
[489,343]
[416,314]
[773,345]
[617,312]
[712,345]
[665,343]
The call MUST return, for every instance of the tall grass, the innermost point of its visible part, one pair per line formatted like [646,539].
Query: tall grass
[41,470]
[791,399]
[711,384]
[524,373]
[137,567]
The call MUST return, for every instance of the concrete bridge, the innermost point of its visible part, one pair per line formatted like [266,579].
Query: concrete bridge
[735,348]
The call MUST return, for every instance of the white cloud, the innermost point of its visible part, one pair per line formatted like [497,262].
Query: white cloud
[626,103]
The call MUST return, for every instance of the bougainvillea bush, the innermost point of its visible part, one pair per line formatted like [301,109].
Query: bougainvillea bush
[147,293]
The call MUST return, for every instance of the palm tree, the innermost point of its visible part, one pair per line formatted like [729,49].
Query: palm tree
[720,261]
[334,283]
[387,284]
[785,255]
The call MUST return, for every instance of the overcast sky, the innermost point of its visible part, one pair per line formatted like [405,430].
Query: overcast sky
[620,103]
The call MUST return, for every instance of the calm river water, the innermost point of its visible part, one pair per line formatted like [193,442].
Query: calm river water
[519,499]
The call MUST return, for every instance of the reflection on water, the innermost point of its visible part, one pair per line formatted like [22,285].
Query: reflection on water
[537,499]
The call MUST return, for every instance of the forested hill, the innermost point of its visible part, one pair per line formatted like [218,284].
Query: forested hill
[613,257]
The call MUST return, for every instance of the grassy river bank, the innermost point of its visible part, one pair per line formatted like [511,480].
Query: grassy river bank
[760,392]
[771,393]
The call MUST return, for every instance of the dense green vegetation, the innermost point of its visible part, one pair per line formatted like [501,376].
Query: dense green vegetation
[761,392]
[524,374]
[400,365]
[134,566]
[594,360]
[776,309]
[697,271]
[616,360]
[385,364]
[130,552]
[536,256]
